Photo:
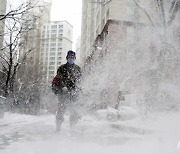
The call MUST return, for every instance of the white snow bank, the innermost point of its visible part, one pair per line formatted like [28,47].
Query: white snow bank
[126,113]
[111,114]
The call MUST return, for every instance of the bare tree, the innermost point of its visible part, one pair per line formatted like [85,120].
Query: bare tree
[175,6]
[165,20]
[19,11]
[13,45]
[18,80]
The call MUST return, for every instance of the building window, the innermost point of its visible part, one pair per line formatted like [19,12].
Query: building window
[59,53]
[53,31]
[52,63]
[59,58]
[51,72]
[58,63]
[59,49]
[51,77]
[53,44]
[52,49]
[52,53]
[52,58]
[53,40]
[60,35]
[53,26]
[53,36]
[60,30]
[51,68]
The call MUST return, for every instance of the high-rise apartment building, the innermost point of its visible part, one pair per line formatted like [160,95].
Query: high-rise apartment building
[56,40]
[138,43]
[2,22]
[97,13]
[34,19]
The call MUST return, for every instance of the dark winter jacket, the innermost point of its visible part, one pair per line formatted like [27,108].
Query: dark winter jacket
[68,75]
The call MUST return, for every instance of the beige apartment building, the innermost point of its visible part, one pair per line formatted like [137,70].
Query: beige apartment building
[34,20]
[123,39]
[97,14]
[56,40]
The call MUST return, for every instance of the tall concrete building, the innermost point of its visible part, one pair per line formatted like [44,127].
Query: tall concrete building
[96,15]
[129,35]
[2,22]
[31,39]
[34,19]
[56,40]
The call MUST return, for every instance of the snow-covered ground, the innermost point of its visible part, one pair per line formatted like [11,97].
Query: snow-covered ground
[152,134]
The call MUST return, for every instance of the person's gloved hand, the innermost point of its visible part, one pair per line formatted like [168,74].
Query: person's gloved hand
[65,89]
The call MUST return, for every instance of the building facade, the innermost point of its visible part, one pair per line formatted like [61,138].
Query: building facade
[132,47]
[56,40]
[96,13]
[33,21]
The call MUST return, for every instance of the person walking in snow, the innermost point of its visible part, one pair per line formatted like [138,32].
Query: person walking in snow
[65,85]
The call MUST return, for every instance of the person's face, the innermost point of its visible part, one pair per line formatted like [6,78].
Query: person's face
[71,57]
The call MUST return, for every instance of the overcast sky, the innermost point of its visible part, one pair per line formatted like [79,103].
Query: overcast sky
[69,10]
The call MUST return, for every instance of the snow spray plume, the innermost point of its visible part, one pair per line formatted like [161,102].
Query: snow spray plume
[138,61]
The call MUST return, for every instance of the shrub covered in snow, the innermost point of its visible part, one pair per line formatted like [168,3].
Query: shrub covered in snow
[125,113]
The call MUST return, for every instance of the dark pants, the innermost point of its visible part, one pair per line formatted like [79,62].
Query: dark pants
[67,102]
